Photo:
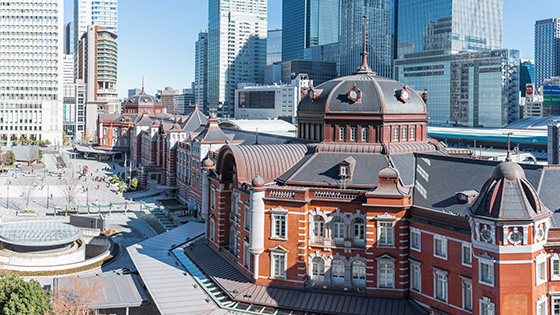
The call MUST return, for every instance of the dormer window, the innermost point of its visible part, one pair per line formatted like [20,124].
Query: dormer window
[346,168]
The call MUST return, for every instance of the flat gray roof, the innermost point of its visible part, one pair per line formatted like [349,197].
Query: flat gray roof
[118,291]
[173,290]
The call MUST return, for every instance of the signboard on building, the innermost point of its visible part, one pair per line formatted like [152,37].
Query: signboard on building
[529,89]
[551,95]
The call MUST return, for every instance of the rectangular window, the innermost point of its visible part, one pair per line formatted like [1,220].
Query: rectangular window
[403,133]
[541,271]
[279,225]
[486,307]
[541,306]
[440,246]
[246,255]
[467,255]
[486,272]
[412,133]
[211,229]
[555,267]
[353,134]
[365,134]
[440,284]
[385,232]
[213,198]
[396,134]
[386,274]
[415,276]
[342,133]
[555,305]
[467,294]
[279,265]
[247,219]
[415,239]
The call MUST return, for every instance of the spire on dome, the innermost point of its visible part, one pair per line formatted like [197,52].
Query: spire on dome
[364,68]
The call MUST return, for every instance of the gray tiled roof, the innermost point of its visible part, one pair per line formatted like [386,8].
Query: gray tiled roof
[309,300]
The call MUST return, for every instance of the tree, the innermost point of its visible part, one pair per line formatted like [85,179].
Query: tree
[134,183]
[10,158]
[70,189]
[115,179]
[18,296]
[77,298]
[26,185]
[64,137]
[122,187]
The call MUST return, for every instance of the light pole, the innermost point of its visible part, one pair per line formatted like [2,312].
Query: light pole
[48,196]
[87,199]
[8,194]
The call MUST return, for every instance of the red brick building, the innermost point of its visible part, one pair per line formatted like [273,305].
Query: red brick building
[365,202]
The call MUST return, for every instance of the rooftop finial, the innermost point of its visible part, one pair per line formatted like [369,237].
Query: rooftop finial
[364,68]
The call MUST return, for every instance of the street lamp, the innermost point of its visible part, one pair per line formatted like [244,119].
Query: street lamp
[48,196]
[8,194]
[87,199]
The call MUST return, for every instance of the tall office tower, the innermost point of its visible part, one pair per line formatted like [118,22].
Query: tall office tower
[201,72]
[236,48]
[166,96]
[67,69]
[93,12]
[448,26]
[273,46]
[134,91]
[31,58]
[547,49]
[73,111]
[526,75]
[69,38]
[97,68]
[380,30]
[306,24]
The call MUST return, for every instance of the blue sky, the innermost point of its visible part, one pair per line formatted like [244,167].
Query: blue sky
[156,38]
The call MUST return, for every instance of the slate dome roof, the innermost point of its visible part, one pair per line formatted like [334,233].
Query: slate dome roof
[508,170]
[379,95]
[142,99]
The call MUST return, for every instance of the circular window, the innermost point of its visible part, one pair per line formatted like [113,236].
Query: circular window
[515,237]
[540,234]
[145,100]
[486,234]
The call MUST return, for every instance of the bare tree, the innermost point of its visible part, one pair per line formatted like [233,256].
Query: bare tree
[77,298]
[27,187]
[70,190]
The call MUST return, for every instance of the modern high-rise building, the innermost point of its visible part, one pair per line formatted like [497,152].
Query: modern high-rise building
[134,91]
[307,24]
[31,59]
[67,69]
[448,26]
[237,32]
[547,49]
[473,89]
[97,67]
[73,110]
[166,97]
[69,38]
[380,30]
[183,100]
[274,46]
[96,13]
[526,75]
[201,72]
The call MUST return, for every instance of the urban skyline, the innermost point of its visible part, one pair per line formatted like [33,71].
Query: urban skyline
[518,33]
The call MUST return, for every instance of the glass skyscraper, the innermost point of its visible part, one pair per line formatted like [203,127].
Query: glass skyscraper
[547,54]
[380,30]
[307,24]
[274,46]
[448,26]
[237,31]
[526,75]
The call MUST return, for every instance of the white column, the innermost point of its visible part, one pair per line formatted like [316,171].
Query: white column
[256,237]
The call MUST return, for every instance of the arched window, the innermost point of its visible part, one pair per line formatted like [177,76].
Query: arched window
[318,228]
[359,230]
[337,227]
[365,134]
[233,242]
[337,271]
[358,273]
[318,269]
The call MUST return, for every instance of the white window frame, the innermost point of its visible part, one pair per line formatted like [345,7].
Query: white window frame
[404,136]
[274,264]
[318,270]
[365,134]
[384,280]
[340,266]
[359,230]
[555,305]
[415,234]
[318,228]
[247,218]
[412,133]
[443,240]
[280,231]
[213,198]
[415,276]
[466,260]
[441,278]
[385,233]
[486,307]
[481,263]
[358,273]
[344,170]
[335,225]
[467,287]
[540,270]
[342,133]
[395,133]
[555,274]
[211,227]
[354,134]
[542,305]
